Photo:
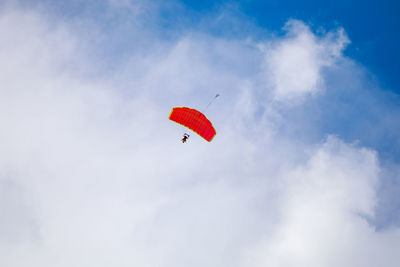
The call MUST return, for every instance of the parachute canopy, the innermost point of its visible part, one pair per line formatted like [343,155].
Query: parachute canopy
[194,120]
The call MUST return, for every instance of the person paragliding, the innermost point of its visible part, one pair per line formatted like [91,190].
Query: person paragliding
[185,137]
[194,120]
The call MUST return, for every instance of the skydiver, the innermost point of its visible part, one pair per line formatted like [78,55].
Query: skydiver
[185,137]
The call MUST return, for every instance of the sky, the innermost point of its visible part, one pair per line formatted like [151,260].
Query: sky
[304,169]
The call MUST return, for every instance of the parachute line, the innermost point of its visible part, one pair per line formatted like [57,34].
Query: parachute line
[212,100]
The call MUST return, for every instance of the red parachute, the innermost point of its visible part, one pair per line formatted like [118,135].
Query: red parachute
[194,120]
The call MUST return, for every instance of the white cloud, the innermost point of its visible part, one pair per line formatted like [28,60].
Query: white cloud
[294,63]
[94,173]
[323,210]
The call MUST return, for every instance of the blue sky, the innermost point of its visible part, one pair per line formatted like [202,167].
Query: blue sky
[371,25]
[304,169]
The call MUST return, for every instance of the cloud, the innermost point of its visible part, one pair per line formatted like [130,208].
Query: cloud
[324,208]
[92,172]
[294,63]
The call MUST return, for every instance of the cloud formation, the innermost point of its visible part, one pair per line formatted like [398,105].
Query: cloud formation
[92,172]
[324,208]
[295,62]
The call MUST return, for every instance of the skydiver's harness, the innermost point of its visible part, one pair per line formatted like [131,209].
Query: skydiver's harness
[185,137]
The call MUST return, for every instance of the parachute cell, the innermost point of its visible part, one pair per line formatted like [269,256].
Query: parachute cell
[194,120]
